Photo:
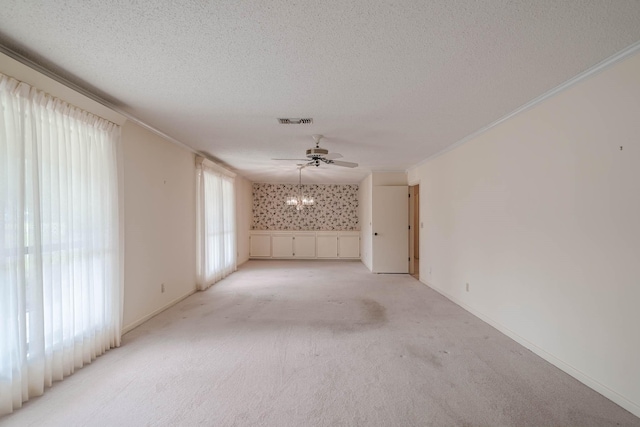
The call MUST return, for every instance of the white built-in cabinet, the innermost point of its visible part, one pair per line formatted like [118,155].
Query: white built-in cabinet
[260,244]
[349,246]
[305,244]
[327,244]
[281,245]
[292,245]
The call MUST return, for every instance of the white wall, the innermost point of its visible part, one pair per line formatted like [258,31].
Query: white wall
[389,178]
[160,227]
[541,216]
[365,206]
[244,216]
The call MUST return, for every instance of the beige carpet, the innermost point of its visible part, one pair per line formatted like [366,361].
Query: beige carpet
[298,343]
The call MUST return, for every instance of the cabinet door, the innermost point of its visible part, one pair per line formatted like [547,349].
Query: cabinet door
[327,246]
[260,245]
[281,246]
[304,246]
[349,246]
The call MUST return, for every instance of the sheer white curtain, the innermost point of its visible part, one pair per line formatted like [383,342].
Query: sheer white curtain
[216,239]
[60,286]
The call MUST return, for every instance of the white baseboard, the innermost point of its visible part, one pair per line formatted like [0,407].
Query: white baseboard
[140,321]
[615,397]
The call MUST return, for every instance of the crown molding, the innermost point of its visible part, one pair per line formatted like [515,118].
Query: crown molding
[40,69]
[591,72]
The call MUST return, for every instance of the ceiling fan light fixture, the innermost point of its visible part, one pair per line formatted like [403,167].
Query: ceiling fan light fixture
[316,155]
[313,152]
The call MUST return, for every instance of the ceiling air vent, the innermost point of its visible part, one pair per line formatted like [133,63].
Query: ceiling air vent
[295,121]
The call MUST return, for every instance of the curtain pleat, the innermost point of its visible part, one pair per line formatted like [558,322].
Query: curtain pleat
[60,294]
[216,229]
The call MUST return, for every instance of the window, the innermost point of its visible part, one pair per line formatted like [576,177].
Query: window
[216,224]
[60,293]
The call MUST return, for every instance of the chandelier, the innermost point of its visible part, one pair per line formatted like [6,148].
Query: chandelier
[299,201]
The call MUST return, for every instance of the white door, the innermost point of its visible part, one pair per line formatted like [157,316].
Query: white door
[390,224]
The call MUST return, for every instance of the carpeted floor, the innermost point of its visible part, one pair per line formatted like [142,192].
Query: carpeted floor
[296,343]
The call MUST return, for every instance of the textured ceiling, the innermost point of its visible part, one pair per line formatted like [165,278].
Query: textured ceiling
[388,83]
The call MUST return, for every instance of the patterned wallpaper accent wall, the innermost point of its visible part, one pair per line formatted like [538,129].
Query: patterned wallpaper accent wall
[335,208]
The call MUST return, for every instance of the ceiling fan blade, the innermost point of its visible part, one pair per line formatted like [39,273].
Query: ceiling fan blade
[332,156]
[299,160]
[344,164]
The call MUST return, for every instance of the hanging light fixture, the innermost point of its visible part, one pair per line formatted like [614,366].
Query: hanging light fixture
[300,201]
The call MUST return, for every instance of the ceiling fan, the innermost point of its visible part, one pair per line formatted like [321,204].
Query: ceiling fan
[316,155]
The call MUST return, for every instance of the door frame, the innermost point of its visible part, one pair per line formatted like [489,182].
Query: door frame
[414,228]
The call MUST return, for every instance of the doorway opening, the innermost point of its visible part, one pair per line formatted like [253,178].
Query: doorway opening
[414,231]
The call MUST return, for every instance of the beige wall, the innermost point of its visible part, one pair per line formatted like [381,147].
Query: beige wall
[365,206]
[541,217]
[244,216]
[160,223]
[389,178]
[159,226]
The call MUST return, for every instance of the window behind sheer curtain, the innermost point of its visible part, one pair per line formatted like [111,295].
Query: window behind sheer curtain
[60,286]
[216,226]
